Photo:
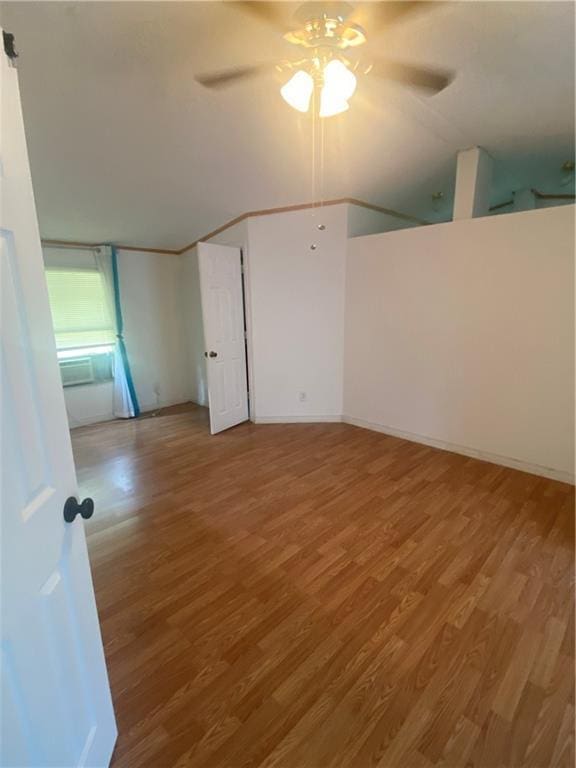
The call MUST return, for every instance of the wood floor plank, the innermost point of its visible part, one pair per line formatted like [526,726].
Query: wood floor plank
[322,596]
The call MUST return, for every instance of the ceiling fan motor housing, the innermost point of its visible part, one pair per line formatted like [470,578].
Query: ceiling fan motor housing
[318,10]
[326,33]
[329,32]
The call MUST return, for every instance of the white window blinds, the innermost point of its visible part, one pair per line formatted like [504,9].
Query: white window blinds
[79,309]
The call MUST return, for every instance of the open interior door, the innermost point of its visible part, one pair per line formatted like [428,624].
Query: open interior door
[223,317]
[56,708]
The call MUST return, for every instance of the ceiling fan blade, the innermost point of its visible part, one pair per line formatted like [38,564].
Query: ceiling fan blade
[426,78]
[268,12]
[225,77]
[377,17]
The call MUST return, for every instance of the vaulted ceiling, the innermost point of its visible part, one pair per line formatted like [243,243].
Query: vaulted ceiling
[125,146]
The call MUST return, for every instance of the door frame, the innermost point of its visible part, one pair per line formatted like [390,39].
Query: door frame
[246,314]
[249,321]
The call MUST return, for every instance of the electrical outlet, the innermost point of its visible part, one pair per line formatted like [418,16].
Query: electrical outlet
[302,396]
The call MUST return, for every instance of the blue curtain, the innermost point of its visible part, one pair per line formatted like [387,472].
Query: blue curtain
[122,356]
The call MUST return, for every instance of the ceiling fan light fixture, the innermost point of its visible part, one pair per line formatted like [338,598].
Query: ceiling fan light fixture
[331,103]
[339,86]
[339,79]
[298,91]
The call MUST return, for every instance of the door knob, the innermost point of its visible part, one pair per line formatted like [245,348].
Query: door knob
[213,354]
[73,507]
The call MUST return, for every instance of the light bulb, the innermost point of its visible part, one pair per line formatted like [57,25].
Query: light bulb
[338,77]
[339,85]
[298,90]
[331,103]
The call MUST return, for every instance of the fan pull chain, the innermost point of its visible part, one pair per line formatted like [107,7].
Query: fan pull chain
[314,153]
[318,151]
[322,150]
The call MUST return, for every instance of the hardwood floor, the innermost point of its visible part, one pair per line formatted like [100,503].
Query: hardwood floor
[322,595]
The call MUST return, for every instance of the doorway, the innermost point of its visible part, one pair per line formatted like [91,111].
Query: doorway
[220,365]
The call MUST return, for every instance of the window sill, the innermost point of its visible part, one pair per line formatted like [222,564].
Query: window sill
[66,354]
[89,384]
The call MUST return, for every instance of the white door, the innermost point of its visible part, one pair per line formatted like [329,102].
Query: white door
[223,317]
[56,708]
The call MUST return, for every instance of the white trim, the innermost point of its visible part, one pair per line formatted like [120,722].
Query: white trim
[101,418]
[104,418]
[156,406]
[297,419]
[493,458]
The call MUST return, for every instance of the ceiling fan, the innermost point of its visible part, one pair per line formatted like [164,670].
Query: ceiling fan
[326,37]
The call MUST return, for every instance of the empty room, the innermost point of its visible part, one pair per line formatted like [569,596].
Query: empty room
[288,393]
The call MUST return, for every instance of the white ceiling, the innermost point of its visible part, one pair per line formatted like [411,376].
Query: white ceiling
[126,147]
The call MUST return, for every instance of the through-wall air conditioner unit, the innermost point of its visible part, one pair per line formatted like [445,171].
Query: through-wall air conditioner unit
[77,370]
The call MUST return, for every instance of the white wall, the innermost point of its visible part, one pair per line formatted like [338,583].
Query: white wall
[363,221]
[296,313]
[150,287]
[193,328]
[462,335]
[88,404]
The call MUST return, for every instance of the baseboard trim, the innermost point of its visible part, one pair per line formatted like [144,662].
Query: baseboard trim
[104,418]
[493,458]
[101,418]
[157,406]
[306,419]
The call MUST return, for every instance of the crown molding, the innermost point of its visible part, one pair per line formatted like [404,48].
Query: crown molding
[52,243]
[49,243]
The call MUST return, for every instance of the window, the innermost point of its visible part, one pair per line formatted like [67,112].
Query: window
[79,309]
[83,327]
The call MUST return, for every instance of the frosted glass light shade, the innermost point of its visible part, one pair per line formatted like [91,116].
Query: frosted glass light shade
[339,78]
[331,103]
[339,85]
[298,90]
